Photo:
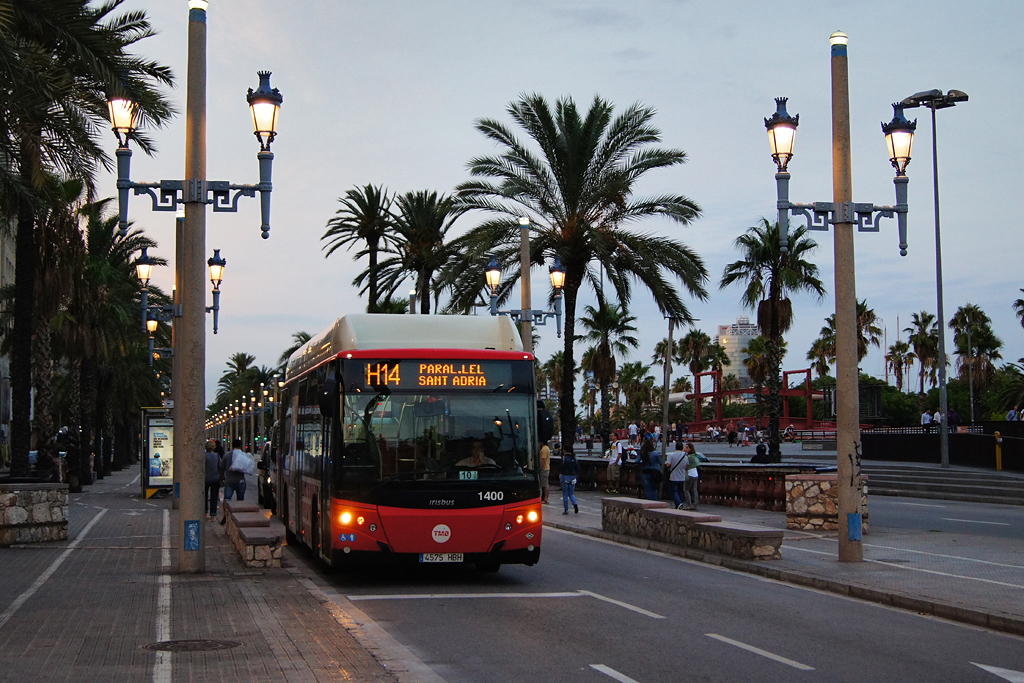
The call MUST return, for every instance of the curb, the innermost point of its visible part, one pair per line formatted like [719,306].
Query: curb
[939,495]
[1006,624]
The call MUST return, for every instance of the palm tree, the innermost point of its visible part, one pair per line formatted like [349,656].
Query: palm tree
[924,337]
[823,350]
[612,328]
[717,357]
[868,331]
[769,277]
[65,57]
[695,350]
[418,246]
[578,193]
[1018,308]
[976,359]
[898,357]
[364,218]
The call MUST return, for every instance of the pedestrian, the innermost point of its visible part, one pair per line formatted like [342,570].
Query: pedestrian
[730,430]
[650,470]
[234,481]
[212,479]
[954,419]
[692,492]
[761,456]
[926,421]
[614,472]
[545,472]
[1013,415]
[567,477]
[633,431]
[676,466]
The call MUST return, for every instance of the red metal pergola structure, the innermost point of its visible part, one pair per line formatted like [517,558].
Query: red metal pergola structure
[717,394]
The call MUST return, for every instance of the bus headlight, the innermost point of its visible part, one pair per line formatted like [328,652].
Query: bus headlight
[346,518]
[519,519]
[532,515]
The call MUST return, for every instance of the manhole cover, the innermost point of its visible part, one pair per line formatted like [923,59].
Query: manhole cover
[191,645]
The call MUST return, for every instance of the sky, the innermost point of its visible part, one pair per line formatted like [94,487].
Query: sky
[388,92]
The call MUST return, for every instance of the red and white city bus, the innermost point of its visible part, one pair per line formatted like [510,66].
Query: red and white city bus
[412,438]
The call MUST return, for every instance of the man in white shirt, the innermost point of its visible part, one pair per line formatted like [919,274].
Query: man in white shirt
[615,468]
[926,421]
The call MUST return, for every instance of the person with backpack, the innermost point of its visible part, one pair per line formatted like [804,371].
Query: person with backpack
[567,477]
[676,467]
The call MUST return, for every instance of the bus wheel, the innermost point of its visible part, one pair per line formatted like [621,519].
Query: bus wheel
[489,567]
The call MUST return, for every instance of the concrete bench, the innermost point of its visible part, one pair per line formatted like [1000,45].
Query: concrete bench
[656,521]
[258,538]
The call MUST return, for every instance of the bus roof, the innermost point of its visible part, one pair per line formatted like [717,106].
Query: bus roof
[369,331]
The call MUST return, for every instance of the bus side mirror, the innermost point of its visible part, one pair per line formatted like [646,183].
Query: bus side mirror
[329,397]
[545,425]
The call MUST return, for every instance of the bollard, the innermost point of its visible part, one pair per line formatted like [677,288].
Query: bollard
[999,453]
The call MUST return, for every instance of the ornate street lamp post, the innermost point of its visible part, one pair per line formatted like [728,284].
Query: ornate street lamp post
[843,213]
[195,192]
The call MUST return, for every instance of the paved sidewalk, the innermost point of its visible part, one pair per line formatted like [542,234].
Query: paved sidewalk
[973,579]
[85,609]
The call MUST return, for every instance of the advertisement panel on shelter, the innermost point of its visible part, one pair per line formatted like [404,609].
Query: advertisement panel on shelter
[161,452]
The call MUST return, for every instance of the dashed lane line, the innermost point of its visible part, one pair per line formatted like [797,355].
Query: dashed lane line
[758,651]
[45,576]
[973,521]
[612,673]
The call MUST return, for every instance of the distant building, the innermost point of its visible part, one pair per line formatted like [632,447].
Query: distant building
[734,339]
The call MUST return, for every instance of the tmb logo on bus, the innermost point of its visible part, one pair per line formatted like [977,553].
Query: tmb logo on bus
[441,533]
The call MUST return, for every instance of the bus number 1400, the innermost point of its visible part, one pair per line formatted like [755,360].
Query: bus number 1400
[491,495]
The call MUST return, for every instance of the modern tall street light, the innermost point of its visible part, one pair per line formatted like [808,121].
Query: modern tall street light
[527,316]
[195,192]
[843,213]
[934,99]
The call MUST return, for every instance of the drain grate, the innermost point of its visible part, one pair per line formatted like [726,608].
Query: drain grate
[191,645]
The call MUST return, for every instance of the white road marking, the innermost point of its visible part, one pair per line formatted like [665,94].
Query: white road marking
[162,664]
[974,521]
[1007,674]
[919,569]
[759,651]
[959,558]
[626,605]
[459,596]
[44,577]
[463,596]
[921,505]
[612,673]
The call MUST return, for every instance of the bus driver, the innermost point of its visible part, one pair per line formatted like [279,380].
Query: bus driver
[476,458]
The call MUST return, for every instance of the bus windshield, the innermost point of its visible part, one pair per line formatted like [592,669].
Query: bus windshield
[398,436]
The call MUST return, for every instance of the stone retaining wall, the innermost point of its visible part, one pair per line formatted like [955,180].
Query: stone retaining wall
[656,521]
[812,502]
[33,513]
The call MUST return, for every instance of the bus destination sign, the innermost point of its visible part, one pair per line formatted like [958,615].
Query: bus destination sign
[433,374]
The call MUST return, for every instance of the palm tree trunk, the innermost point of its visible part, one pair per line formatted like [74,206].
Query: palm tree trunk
[21,351]
[78,472]
[606,418]
[566,404]
[86,401]
[46,449]
[424,290]
[774,402]
[371,247]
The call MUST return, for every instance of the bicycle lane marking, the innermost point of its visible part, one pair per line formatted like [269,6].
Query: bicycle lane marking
[45,576]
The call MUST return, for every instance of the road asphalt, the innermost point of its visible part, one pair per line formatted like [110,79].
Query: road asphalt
[108,604]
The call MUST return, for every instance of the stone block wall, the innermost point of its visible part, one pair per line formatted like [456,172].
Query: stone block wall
[33,513]
[655,521]
[812,502]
